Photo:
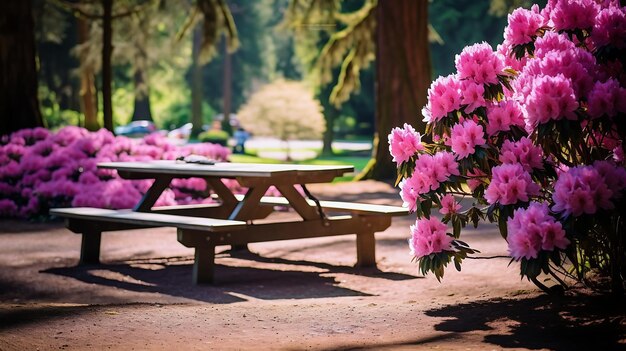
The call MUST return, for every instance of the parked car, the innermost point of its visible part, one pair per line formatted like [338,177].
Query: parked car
[182,132]
[136,128]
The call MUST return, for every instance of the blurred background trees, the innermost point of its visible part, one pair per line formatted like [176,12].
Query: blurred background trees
[157,73]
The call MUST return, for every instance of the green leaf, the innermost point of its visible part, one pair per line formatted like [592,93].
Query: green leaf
[502,225]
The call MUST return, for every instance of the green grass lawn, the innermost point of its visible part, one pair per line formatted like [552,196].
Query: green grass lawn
[358,161]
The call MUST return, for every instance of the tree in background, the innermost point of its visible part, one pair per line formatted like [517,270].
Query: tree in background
[395,33]
[19,106]
[285,110]
[235,76]
[211,19]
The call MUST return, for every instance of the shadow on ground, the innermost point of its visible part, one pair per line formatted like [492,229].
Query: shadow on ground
[172,276]
[544,322]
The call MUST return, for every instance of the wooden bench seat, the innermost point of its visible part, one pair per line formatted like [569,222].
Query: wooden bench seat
[351,207]
[148,219]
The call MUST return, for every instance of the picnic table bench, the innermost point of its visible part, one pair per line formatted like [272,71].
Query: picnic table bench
[231,220]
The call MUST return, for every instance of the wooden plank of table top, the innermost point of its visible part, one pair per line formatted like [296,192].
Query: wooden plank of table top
[224,169]
[145,218]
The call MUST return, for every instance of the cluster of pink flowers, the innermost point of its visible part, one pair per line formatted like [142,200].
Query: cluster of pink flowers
[404,143]
[606,99]
[534,229]
[40,169]
[430,172]
[444,96]
[428,236]
[479,63]
[586,189]
[465,137]
[504,115]
[523,152]
[449,205]
[534,129]
[610,28]
[523,26]
[510,183]
[552,98]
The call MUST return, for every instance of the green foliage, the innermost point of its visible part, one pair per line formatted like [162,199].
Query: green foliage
[250,63]
[214,136]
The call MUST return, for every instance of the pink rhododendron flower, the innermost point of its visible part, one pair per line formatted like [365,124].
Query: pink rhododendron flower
[614,177]
[533,229]
[472,95]
[509,185]
[572,14]
[465,137]
[479,63]
[581,190]
[552,41]
[552,98]
[610,28]
[523,25]
[404,143]
[522,152]
[409,193]
[607,98]
[502,116]
[429,236]
[449,205]
[8,208]
[444,96]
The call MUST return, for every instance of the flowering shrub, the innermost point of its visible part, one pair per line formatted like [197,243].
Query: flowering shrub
[532,132]
[40,170]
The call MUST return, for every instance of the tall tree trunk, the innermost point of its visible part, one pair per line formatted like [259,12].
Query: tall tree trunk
[227,88]
[196,82]
[107,50]
[142,110]
[403,74]
[330,115]
[88,103]
[19,105]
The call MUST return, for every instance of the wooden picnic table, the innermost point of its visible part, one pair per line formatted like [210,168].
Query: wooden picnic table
[231,220]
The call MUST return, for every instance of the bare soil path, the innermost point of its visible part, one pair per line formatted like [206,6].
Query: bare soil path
[289,295]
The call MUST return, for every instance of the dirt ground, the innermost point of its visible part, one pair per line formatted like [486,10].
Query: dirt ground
[286,295]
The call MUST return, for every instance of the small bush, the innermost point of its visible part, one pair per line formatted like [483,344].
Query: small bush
[219,137]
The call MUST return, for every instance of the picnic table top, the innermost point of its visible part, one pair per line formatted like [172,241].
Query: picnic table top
[224,169]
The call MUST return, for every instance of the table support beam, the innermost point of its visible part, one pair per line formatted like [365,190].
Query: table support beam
[90,247]
[152,195]
[204,265]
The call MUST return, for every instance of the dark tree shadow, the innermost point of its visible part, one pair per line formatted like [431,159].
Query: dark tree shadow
[544,322]
[173,277]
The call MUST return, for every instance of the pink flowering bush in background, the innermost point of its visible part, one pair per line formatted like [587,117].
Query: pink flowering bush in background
[532,133]
[40,169]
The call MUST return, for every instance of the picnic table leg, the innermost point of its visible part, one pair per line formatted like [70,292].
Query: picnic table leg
[90,247]
[365,249]
[204,265]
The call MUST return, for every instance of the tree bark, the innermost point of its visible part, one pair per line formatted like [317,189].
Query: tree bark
[196,82]
[88,103]
[330,115]
[227,88]
[107,50]
[142,107]
[19,105]
[403,74]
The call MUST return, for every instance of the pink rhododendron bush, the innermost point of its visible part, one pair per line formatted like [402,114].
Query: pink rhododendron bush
[533,134]
[40,170]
